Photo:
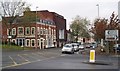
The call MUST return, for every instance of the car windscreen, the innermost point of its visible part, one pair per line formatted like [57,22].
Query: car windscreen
[81,45]
[75,44]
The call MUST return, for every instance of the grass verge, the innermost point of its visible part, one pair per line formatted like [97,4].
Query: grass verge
[13,47]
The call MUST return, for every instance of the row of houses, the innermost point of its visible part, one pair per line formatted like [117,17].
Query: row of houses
[48,30]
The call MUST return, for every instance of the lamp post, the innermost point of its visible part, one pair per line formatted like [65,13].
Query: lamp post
[98,9]
[36,30]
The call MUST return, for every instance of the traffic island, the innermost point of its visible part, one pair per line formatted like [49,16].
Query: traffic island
[93,61]
[97,63]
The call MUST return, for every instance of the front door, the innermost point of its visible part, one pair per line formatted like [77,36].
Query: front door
[21,41]
[41,45]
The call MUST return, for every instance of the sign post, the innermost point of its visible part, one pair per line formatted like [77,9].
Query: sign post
[111,35]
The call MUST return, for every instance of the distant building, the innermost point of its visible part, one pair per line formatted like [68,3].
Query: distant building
[69,36]
[119,9]
[49,29]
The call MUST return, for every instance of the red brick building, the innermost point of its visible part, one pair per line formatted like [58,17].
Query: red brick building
[49,30]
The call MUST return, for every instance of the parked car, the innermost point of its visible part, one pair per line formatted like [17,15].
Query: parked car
[87,45]
[116,47]
[93,45]
[68,48]
[75,46]
[81,47]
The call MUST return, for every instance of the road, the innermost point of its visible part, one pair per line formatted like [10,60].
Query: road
[54,59]
[14,58]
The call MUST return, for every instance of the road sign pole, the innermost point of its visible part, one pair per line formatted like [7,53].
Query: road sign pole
[115,48]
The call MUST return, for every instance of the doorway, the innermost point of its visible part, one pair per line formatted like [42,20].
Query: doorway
[20,41]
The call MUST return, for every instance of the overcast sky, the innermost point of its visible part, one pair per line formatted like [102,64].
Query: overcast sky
[70,8]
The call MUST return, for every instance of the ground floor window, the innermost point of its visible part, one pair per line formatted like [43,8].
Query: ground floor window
[27,42]
[33,42]
[13,41]
[38,42]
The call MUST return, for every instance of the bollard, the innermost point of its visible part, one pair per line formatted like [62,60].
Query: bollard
[92,56]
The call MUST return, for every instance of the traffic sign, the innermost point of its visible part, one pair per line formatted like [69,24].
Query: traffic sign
[111,35]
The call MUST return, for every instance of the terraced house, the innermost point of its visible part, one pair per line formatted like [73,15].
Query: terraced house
[39,29]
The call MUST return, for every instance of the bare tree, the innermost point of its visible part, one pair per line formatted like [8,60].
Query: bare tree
[79,27]
[10,10]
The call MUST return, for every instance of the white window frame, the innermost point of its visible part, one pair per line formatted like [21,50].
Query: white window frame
[44,31]
[52,32]
[18,31]
[26,30]
[41,31]
[14,40]
[14,29]
[38,29]
[28,43]
[31,42]
[31,30]
[47,31]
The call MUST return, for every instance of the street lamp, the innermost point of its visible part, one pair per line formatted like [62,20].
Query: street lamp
[36,29]
[98,9]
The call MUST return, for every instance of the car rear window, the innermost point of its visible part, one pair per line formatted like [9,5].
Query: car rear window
[118,45]
[67,45]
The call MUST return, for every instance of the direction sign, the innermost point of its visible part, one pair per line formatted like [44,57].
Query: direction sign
[111,35]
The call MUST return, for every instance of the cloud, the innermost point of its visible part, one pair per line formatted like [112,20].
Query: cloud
[70,8]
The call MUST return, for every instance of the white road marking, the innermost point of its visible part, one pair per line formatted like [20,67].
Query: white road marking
[13,60]
[28,55]
[39,53]
[63,55]
[35,54]
[16,65]
[27,62]
[23,58]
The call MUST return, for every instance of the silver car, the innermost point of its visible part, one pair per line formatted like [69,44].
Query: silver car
[81,47]
[68,48]
[75,46]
